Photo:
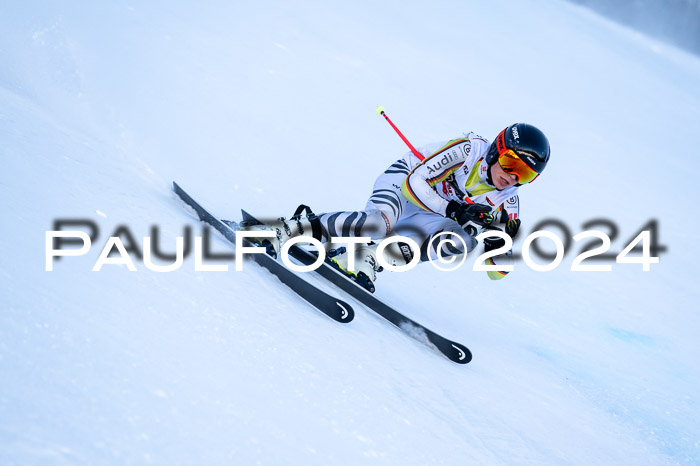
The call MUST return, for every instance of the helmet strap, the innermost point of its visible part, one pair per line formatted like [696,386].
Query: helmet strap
[489,178]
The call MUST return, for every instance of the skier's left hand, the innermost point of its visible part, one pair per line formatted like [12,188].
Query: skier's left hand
[512,227]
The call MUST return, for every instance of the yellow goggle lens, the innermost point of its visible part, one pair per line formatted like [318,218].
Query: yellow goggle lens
[512,163]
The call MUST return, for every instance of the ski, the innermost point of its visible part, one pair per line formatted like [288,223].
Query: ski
[452,350]
[332,307]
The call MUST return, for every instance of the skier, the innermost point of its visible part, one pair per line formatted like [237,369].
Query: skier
[464,187]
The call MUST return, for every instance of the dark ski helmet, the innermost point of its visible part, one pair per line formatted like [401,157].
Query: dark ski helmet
[520,144]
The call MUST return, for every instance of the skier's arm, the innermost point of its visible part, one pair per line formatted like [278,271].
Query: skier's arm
[419,185]
[512,208]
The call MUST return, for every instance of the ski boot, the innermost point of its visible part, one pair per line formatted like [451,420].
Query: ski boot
[284,230]
[366,263]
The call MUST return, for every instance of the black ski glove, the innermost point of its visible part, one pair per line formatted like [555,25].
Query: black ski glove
[465,213]
[512,227]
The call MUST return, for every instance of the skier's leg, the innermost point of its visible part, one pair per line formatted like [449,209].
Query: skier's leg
[369,223]
[383,210]
[423,226]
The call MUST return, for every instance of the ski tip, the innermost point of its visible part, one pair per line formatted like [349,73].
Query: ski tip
[345,312]
[246,216]
[460,354]
[249,219]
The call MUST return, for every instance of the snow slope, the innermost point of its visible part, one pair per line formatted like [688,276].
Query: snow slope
[268,106]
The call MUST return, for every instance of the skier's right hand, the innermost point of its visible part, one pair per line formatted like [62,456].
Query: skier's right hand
[465,213]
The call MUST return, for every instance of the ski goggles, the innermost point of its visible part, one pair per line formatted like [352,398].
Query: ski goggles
[511,163]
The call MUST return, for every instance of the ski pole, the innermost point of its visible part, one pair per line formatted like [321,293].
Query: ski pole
[380,111]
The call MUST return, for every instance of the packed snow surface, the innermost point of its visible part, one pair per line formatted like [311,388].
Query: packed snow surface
[270,104]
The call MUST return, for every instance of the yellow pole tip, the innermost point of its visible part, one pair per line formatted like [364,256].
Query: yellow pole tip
[380,110]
